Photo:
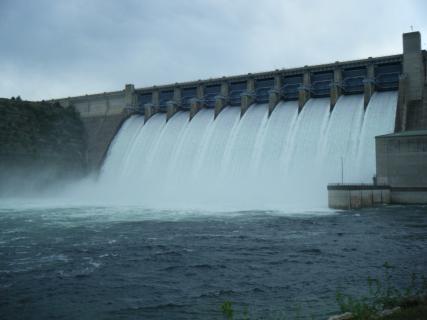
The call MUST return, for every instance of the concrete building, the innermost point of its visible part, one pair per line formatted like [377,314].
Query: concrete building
[401,157]
[402,165]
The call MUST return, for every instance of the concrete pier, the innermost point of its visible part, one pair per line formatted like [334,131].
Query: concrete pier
[149,111]
[274,94]
[151,107]
[196,102]
[336,90]
[248,97]
[172,106]
[130,97]
[369,83]
[171,109]
[221,99]
[304,91]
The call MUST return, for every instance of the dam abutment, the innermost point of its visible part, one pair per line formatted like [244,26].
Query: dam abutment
[412,113]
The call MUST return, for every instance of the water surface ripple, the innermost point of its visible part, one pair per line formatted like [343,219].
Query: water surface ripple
[133,263]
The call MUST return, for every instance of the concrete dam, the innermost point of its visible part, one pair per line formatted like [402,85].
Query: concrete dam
[257,141]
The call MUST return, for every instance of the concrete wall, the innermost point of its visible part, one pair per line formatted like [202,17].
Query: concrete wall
[401,159]
[409,195]
[416,118]
[402,165]
[346,197]
[412,104]
[357,196]
[102,116]
[97,105]
[413,65]
[278,75]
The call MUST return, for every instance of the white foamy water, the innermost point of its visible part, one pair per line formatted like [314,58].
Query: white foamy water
[345,122]
[379,119]
[250,162]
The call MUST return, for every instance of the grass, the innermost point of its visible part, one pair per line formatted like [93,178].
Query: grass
[414,313]
[381,295]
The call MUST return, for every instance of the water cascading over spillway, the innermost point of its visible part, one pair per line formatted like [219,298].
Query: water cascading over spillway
[250,162]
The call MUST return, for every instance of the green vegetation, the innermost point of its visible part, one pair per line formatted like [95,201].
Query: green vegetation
[40,129]
[383,295]
[411,302]
[227,310]
[40,143]
[418,312]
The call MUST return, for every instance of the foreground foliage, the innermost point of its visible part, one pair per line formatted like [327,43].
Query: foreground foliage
[382,295]
[40,129]
[41,143]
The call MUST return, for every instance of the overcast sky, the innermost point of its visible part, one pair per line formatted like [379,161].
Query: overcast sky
[60,48]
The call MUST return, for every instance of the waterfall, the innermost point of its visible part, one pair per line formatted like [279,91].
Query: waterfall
[251,162]
[379,119]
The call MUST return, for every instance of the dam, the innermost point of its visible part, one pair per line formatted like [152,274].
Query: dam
[261,140]
[227,194]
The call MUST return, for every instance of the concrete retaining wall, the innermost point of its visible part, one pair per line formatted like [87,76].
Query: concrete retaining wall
[357,196]
[347,197]
[409,196]
[102,116]
[401,159]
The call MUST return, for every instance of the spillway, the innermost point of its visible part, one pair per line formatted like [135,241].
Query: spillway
[251,162]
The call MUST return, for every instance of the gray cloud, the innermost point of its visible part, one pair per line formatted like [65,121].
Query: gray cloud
[64,48]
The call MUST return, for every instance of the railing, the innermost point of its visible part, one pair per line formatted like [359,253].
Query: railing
[352,84]
[163,105]
[185,103]
[262,94]
[209,100]
[148,105]
[356,186]
[387,81]
[138,109]
[235,97]
[321,87]
[290,91]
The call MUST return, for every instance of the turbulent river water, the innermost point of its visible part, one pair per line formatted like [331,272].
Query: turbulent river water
[65,262]
[105,259]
